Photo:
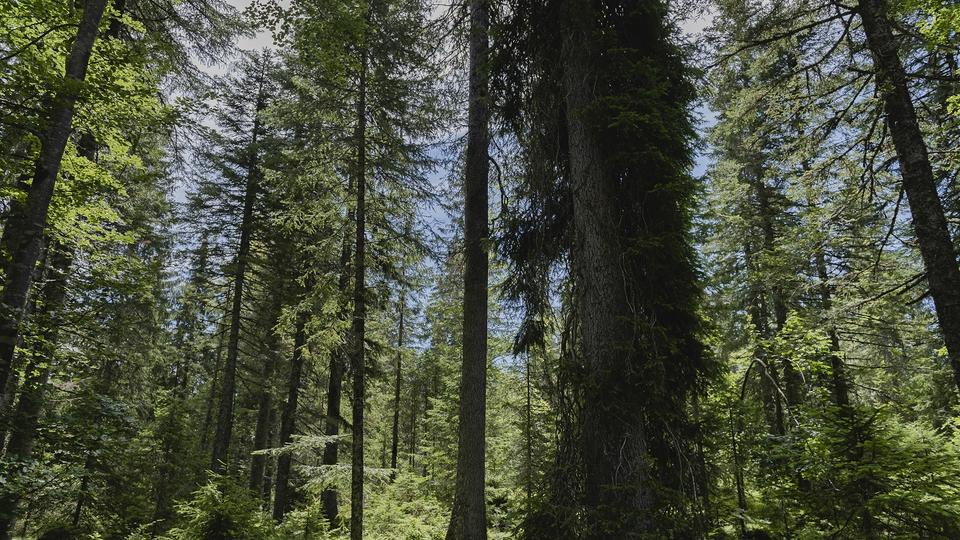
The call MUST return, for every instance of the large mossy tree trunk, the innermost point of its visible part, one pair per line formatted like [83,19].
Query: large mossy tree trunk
[613,438]
[635,289]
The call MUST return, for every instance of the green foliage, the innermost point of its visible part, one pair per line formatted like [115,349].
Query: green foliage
[221,510]
[405,510]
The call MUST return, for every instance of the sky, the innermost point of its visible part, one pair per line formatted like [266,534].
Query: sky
[691,26]
[435,218]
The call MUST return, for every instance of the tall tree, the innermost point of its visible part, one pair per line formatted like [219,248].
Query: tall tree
[398,380]
[26,416]
[281,498]
[24,237]
[250,97]
[618,192]
[926,209]
[468,519]
[358,357]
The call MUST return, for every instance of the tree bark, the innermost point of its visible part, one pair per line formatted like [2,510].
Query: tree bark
[614,445]
[214,384]
[838,372]
[468,519]
[792,381]
[27,233]
[27,414]
[261,437]
[358,360]
[281,498]
[395,442]
[224,430]
[926,209]
[332,420]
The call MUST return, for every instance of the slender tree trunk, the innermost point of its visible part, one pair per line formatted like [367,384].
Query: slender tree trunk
[224,431]
[414,412]
[841,397]
[15,215]
[926,209]
[258,463]
[468,520]
[738,473]
[792,381]
[838,372]
[27,233]
[335,384]
[269,470]
[27,414]
[394,447]
[769,375]
[281,498]
[528,436]
[88,464]
[212,394]
[358,361]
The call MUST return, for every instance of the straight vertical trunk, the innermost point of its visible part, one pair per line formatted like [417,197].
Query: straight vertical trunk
[27,414]
[269,470]
[792,381]
[396,387]
[926,209]
[358,361]
[261,435]
[212,394]
[613,441]
[414,411]
[468,520]
[224,431]
[838,375]
[528,428]
[331,426]
[769,375]
[281,498]
[27,233]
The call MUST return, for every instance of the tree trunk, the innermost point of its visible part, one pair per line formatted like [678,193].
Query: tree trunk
[838,375]
[27,233]
[224,431]
[358,361]
[792,381]
[614,446]
[929,223]
[281,499]
[261,435]
[335,384]
[27,414]
[214,384]
[394,447]
[768,373]
[414,412]
[468,519]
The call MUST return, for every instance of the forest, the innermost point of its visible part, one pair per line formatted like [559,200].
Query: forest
[488,269]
